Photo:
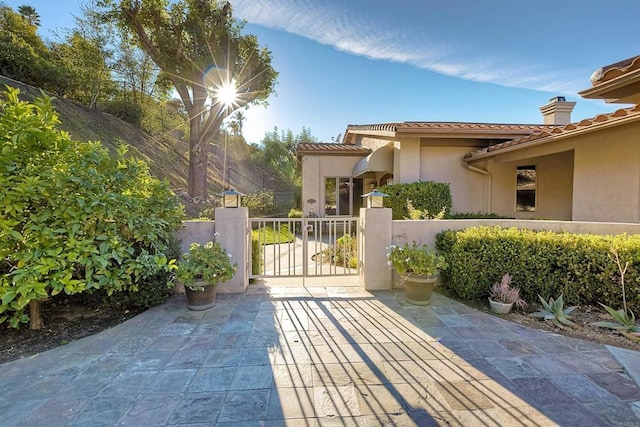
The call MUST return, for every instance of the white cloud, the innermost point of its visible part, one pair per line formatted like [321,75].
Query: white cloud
[360,32]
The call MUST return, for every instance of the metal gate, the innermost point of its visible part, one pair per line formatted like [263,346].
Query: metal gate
[304,247]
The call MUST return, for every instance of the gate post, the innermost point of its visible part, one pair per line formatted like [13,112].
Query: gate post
[232,225]
[375,232]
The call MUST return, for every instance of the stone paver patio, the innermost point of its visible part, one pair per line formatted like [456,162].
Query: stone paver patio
[320,356]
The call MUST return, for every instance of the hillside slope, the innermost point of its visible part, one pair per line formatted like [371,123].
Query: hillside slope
[167,156]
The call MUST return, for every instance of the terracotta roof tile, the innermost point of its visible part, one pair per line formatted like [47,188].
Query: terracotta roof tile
[610,72]
[331,148]
[585,124]
[402,126]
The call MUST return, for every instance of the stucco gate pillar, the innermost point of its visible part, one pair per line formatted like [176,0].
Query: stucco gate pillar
[232,225]
[375,234]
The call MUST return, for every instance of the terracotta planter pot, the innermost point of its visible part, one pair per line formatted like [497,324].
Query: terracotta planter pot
[418,289]
[499,307]
[201,299]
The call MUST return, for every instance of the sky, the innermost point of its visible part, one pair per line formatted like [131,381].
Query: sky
[344,62]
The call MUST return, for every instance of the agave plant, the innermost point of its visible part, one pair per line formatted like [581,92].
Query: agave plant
[624,323]
[625,320]
[554,310]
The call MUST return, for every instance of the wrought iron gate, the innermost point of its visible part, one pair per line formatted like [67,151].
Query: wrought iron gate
[304,247]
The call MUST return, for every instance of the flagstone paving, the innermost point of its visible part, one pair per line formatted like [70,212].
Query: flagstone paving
[321,356]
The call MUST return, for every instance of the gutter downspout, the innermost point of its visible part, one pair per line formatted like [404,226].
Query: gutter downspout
[486,173]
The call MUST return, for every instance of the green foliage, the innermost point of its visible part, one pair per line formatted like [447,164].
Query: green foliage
[542,262]
[344,252]
[256,255]
[295,213]
[23,54]
[209,263]
[277,153]
[260,204]
[414,259]
[267,235]
[85,75]
[151,291]
[74,217]
[476,215]
[417,214]
[425,196]
[554,310]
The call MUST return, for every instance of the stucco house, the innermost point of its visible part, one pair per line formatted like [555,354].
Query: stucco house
[583,171]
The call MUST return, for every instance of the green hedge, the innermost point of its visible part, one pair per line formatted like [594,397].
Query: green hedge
[546,263]
[256,255]
[426,196]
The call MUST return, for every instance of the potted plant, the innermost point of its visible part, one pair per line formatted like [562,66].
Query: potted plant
[200,270]
[418,267]
[502,296]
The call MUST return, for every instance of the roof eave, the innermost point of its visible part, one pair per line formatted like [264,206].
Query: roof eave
[600,91]
[469,158]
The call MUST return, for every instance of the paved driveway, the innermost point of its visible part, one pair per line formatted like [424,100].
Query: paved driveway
[321,356]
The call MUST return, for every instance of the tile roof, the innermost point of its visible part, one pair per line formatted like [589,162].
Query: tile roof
[612,71]
[331,148]
[591,124]
[404,126]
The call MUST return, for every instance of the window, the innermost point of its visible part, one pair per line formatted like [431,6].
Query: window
[337,196]
[526,189]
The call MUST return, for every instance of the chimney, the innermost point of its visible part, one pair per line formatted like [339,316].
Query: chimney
[557,111]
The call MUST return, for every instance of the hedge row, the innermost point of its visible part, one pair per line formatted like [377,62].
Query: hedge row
[541,262]
[428,196]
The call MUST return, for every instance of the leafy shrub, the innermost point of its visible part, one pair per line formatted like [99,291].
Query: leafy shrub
[416,214]
[74,217]
[414,259]
[426,196]
[150,292]
[256,255]
[542,262]
[476,215]
[344,252]
[295,213]
[260,204]
[209,263]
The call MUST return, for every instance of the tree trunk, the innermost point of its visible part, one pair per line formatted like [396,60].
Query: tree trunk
[198,160]
[34,315]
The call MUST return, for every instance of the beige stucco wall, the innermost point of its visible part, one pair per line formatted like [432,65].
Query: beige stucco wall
[469,189]
[406,160]
[607,176]
[554,186]
[314,171]
[603,168]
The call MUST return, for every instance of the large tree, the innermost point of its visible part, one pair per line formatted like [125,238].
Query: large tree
[213,66]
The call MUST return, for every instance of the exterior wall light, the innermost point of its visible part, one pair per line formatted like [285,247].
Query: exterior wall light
[374,199]
[231,198]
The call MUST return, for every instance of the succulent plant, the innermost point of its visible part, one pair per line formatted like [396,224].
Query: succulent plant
[624,323]
[554,310]
[504,293]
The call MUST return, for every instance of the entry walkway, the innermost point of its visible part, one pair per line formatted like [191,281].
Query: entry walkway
[321,356]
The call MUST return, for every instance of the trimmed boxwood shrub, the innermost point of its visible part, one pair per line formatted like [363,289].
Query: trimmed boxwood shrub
[541,262]
[426,196]
[256,255]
